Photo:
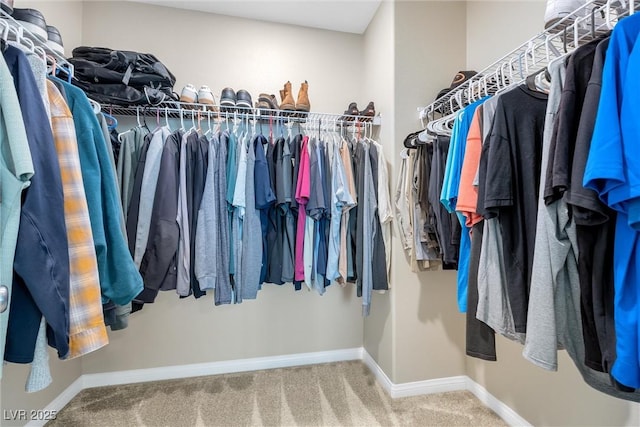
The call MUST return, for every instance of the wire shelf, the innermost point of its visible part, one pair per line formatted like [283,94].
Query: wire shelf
[592,20]
[190,111]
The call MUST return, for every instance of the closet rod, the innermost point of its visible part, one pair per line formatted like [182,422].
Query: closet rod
[60,61]
[591,20]
[177,110]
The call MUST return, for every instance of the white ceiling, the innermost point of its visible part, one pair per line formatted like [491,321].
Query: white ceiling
[351,16]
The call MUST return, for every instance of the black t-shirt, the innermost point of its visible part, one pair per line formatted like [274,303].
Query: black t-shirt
[588,208]
[578,72]
[512,187]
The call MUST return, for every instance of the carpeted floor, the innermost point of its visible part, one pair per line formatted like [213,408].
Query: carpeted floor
[334,394]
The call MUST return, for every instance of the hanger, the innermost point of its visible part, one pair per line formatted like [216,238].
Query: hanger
[181,119]
[193,128]
[112,122]
[95,106]
[209,130]
[608,16]
[236,123]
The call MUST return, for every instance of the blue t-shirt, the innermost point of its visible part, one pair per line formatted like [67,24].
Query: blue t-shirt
[449,193]
[613,171]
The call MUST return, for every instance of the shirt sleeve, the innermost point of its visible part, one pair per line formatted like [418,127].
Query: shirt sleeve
[498,187]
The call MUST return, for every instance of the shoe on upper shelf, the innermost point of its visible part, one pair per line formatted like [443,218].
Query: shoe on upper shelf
[33,20]
[288,104]
[243,99]
[228,97]
[7,6]
[559,9]
[55,40]
[205,97]
[369,111]
[352,110]
[267,101]
[189,94]
[303,104]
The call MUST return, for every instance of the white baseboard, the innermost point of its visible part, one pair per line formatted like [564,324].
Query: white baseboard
[416,388]
[217,368]
[59,402]
[380,375]
[442,385]
[510,416]
[439,385]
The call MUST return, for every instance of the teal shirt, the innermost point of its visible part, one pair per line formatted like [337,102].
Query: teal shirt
[120,281]
[16,169]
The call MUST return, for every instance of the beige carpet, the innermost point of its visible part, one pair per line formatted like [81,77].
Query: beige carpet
[334,394]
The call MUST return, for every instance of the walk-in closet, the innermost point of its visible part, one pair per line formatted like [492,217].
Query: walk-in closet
[308,212]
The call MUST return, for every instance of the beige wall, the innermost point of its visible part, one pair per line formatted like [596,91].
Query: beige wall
[429,331]
[549,398]
[220,51]
[494,28]
[379,41]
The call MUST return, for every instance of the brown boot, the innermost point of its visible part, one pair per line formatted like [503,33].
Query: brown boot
[303,98]
[287,100]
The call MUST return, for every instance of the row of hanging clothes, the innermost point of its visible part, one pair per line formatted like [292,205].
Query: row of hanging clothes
[231,203]
[530,195]
[63,244]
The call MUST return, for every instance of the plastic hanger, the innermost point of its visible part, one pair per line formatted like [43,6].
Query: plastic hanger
[166,117]
[193,128]
[112,122]
[181,119]
[95,106]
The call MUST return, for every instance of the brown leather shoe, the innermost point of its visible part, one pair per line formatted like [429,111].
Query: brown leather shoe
[287,100]
[267,101]
[303,98]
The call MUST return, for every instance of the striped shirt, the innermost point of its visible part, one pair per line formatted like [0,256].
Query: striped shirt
[87,331]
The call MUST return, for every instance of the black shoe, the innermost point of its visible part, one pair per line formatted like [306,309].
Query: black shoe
[370,111]
[243,99]
[33,20]
[55,40]
[228,97]
[352,110]
[7,6]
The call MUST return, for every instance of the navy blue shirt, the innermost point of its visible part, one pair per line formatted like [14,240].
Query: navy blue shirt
[264,196]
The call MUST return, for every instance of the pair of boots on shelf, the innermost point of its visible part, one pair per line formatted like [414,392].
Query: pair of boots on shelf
[352,110]
[302,104]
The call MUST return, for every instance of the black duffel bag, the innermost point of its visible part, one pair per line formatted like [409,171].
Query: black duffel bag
[122,77]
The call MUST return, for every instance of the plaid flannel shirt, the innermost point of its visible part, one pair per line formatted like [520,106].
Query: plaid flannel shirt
[87,331]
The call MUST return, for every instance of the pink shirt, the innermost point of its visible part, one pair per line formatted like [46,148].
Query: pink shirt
[303,191]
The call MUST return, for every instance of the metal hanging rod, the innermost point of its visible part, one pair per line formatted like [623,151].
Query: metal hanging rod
[592,20]
[185,110]
[22,32]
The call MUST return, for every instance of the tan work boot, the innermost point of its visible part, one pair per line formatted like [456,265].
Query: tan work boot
[303,98]
[287,100]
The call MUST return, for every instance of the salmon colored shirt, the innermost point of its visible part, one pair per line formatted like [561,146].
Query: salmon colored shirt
[467,192]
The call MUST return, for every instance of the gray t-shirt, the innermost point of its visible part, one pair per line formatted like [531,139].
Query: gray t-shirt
[554,319]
